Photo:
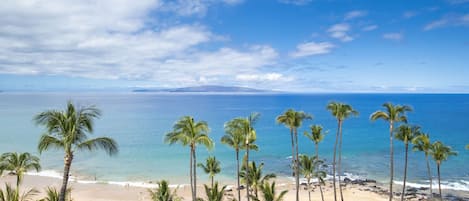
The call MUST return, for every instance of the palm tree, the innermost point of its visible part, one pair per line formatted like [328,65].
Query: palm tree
[309,168]
[293,119]
[11,194]
[214,194]
[211,167]
[406,134]
[422,143]
[68,130]
[392,114]
[320,175]
[467,146]
[241,130]
[163,192]
[269,192]
[254,177]
[19,164]
[190,133]
[340,111]
[53,195]
[235,138]
[316,135]
[440,153]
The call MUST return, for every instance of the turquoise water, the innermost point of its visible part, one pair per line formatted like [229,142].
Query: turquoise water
[138,121]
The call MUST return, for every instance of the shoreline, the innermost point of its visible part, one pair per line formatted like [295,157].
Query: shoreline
[357,189]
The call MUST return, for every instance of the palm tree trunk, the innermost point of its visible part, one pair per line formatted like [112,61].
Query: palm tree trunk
[320,189]
[211,177]
[297,171]
[309,190]
[429,176]
[340,161]
[195,174]
[439,180]
[237,173]
[405,171]
[333,163]
[68,163]
[247,171]
[391,158]
[292,153]
[191,173]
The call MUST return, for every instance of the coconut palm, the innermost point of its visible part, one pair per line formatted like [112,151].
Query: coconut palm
[53,195]
[235,138]
[422,143]
[68,130]
[467,146]
[406,134]
[269,192]
[12,194]
[440,153]
[340,111]
[392,114]
[163,192]
[211,167]
[320,175]
[293,119]
[19,163]
[254,177]
[309,168]
[190,133]
[214,194]
[244,126]
[316,135]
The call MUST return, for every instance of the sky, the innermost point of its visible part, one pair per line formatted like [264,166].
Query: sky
[419,46]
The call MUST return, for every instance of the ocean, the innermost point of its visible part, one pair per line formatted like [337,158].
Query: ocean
[139,121]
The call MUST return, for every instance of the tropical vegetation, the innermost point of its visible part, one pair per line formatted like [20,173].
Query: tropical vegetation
[269,193]
[163,192]
[292,120]
[406,134]
[422,143]
[19,164]
[254,178]
[191,133]
[440,153]
[213,193]
[340,111]
[392,114]
[68,130]
[309,168]
[211,167]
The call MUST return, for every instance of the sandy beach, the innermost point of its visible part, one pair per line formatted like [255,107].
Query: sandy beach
[112,192]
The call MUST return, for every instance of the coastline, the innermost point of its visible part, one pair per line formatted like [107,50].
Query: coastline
[354,189]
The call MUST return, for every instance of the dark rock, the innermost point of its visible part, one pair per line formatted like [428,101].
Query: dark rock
[347,180]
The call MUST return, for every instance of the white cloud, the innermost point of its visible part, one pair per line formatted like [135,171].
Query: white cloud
[370,28]
[393,36]
[355,14]
[112,39]
[449,20]
[194,7]
[312,48]
[296,2]
[263,77]
[435,24]
[409,14]
[339,31]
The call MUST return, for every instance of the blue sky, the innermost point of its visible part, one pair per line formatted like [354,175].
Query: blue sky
[288,45]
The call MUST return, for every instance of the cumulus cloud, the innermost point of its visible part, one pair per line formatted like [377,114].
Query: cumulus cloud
[339,31]
[296,2]
[355,14]
[312,48]
[194,7]
[113,39]
[393,36]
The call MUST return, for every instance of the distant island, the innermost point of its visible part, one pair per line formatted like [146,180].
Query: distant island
[206,88]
